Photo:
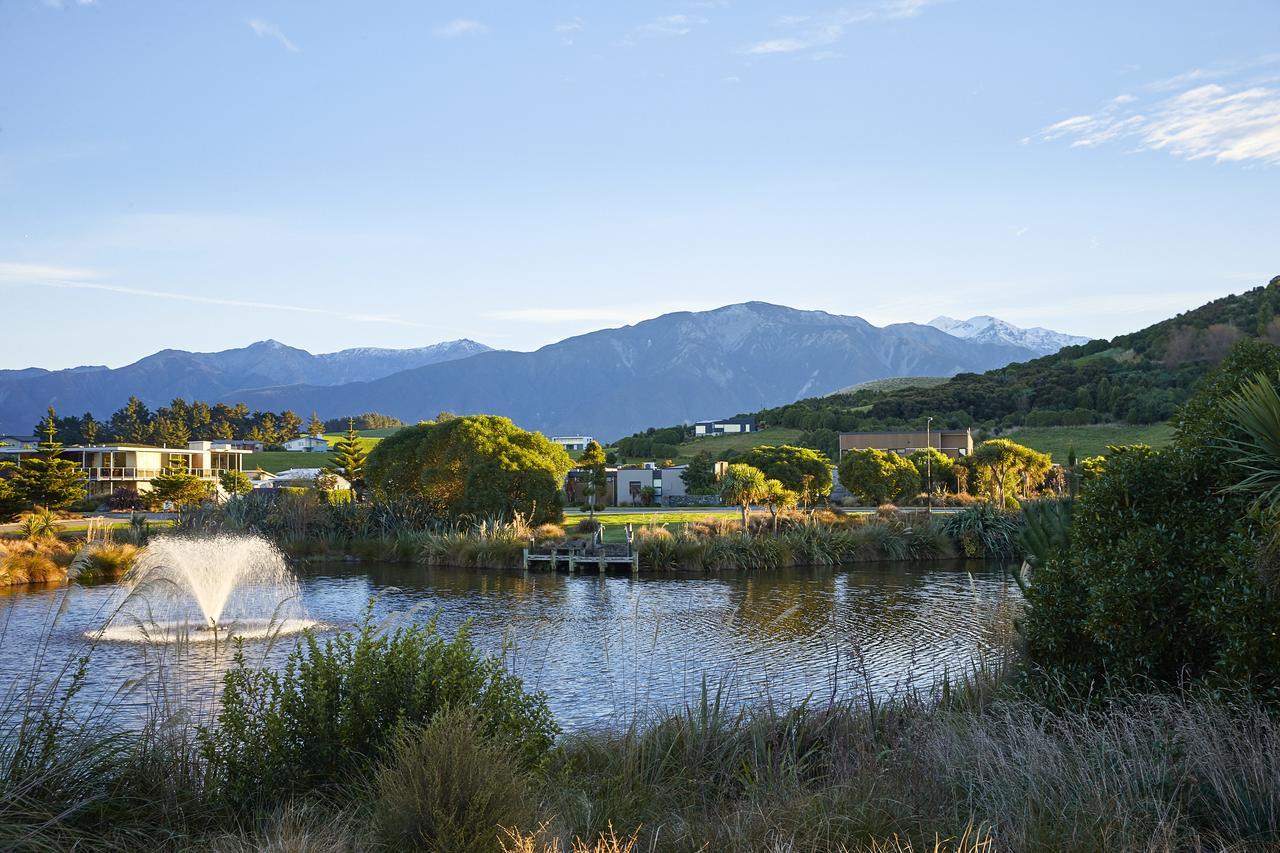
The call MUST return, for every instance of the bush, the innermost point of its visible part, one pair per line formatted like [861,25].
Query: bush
[982,530]
[447,786]
[587,525]
[335,704]
[548,533]
[126,499]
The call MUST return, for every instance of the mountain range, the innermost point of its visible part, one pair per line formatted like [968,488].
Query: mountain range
[992,330]
[26,394]
[677,367]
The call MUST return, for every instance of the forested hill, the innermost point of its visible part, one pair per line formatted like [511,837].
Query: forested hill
[1138,378]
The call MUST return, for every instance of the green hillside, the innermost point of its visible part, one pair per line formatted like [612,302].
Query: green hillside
[1090,440]
[1139,379]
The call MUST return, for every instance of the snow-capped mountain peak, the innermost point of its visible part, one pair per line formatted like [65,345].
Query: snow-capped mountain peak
[993,330]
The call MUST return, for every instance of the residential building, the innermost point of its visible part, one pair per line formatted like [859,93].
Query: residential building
[108,467]
[18,445]
[572,442]
[725,426]
[299,478]
[307,444]
[953,442]
[665,482]
[250,444]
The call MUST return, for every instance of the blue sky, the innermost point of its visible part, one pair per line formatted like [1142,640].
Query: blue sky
[202,175]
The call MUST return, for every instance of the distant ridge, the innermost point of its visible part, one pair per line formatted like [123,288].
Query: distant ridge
[158,378]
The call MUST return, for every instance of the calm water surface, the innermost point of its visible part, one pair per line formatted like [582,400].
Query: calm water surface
[601,648]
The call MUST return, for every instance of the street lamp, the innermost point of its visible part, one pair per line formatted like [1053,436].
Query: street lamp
[928,465]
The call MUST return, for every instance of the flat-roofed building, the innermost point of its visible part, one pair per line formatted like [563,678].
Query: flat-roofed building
[108,467]
[953,442]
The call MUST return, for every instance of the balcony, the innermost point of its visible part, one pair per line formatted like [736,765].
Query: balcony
[145,474]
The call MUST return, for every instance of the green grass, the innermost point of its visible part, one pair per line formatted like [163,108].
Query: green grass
[896,383]
[615,520]
[1090,440]
[717,444]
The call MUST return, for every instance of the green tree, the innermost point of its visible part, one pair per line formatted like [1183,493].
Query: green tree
[315,426]
[290,426]
[778,497]
[877,476]
[476,465]
[45,479]
[934,467]
[1006,466]
[179,487]
[700,475]
[741,486]
[131,424]
[597,481]
[350,457]
[235,483]
[89,429]
[800,469]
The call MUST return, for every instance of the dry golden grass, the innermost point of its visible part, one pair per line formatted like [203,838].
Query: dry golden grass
[33,561]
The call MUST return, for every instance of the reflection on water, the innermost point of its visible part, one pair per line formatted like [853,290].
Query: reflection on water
[602,648]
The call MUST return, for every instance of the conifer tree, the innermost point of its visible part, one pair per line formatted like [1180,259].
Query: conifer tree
[315,426]
[349,455]
[46,479]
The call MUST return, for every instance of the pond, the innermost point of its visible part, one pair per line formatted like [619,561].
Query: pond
[603,648]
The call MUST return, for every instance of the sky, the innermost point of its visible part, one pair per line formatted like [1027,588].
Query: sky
[201,175]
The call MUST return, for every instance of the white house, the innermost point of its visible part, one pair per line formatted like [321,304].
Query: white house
[133,466]
[572,442]
[307,444]
[725,426]
[299,478]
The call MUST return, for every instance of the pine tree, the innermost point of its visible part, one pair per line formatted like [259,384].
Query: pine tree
[349,455]
[45,479]
[89,428]
[315,426]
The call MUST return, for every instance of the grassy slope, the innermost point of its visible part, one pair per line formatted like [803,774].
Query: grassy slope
[282,460]
[1090,440]
[716,445]
[895,383]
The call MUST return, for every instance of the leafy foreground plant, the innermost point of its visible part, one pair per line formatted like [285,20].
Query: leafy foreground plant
[334,708]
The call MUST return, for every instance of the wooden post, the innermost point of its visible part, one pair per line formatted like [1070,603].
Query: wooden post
[635,564]
[603,564]
[573,563]
[525,559]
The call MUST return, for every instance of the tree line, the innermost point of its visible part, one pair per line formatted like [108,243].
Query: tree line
[181,421]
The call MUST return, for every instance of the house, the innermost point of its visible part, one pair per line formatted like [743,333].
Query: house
[575,487]
[307,444]
[250,444]
[725,426]
[572,442]
[258,475]
[665,482]
[300,478]
[19,445]
[133,466]
[953,442]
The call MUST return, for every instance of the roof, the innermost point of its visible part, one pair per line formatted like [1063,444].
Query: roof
[301,474]
[745,420]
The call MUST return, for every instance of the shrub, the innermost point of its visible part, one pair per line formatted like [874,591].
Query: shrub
[126,499]
[587,525]
[982,530]
[548,533]
[103,561]
[447,786]
[40,523]
[335,704]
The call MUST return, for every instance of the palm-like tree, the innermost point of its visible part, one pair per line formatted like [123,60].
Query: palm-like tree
[1254,410]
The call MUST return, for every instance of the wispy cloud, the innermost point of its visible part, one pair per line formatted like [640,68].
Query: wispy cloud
[1235,120]
[265,29]
[806,32]
[68,278]
[460,27]
[572,25]
[671,25]
[62,4]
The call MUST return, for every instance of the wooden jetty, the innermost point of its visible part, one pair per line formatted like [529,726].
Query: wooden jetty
[580,555]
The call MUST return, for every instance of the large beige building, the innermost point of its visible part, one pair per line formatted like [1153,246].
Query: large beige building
[133,466]
[953,442]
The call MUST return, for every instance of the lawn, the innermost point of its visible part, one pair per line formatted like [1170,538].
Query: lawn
[282,460]
[717,444]
[615,520]
[1090,440]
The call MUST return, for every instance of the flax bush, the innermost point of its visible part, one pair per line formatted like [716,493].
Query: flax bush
[333,707]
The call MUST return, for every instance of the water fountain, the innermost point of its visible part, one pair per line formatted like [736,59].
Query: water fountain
[208,587]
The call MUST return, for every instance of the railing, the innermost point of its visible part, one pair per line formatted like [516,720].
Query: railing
[147,473]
